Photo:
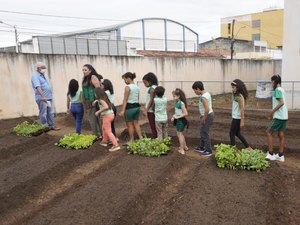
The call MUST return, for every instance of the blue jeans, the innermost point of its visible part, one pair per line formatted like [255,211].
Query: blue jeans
[77,111]
[46,113]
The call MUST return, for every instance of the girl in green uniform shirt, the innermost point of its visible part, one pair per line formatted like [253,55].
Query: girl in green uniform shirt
[131,107]
[150,81]
[107,114]
[179,119]
[239,96]
[279,117]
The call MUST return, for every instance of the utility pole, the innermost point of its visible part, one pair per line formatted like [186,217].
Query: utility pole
[16,39]
[232,39]
[16,35]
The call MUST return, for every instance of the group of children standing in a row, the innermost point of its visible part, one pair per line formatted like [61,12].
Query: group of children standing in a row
[98,99]
[278,116]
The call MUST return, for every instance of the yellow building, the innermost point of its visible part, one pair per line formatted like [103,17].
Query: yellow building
[264,26]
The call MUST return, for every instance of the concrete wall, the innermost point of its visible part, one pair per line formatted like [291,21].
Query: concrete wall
[17,96]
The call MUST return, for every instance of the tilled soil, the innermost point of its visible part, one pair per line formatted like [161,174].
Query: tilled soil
[44,184]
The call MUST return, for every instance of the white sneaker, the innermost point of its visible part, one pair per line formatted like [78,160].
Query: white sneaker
[103,144]
[114,148]
[279,158]
[271,157]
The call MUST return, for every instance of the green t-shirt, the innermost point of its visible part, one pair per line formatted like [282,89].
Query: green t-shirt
[282,112]
[110,96]
[108,111]
[160,109]
[178,106]
[207,96]
[148,97]
[76,98]
[236,110]
[134,93]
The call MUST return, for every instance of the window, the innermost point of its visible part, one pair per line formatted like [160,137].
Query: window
[255,23]
[256,48]
[229,28]
[255,37]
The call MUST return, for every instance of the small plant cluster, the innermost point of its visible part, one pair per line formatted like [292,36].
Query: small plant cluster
[76,141]
[27,129]
[230,157]
[150,147]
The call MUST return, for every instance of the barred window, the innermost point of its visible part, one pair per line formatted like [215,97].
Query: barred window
[255,37]
[256,24]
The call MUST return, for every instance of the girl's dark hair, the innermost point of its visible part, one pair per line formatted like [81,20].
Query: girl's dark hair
[240,88]
[277,80]
[151,78]
[73,87]
[100,94]
[159,91]
[87,79]
[108,86]
[180,93]
[130,75]
[198,85]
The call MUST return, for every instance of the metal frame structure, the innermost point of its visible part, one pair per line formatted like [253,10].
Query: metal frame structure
[118,32]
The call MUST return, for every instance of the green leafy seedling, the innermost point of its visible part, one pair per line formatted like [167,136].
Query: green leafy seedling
[150,147]
[76,141]
[27,129]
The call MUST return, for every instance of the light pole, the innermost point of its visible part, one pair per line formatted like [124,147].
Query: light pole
[16,35]
[232,38]
[239,31]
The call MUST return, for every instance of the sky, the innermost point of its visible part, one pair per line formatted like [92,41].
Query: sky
[202,16]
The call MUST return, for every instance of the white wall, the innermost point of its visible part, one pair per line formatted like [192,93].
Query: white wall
[269,54]
[17,96]
[291,41]
[291,52]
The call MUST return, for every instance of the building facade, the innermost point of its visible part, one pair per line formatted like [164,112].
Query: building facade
[225,44]
[264,26]
[242,49]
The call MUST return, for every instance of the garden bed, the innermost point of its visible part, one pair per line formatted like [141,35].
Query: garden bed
[41,184]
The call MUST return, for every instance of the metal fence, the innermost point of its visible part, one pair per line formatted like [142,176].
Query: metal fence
[83,46]
[260,88]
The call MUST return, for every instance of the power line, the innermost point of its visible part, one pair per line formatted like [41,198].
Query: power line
[26,28]
[70,17]
[35,22]
[92,18]
[23,29]
[23,32]
[59,16]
